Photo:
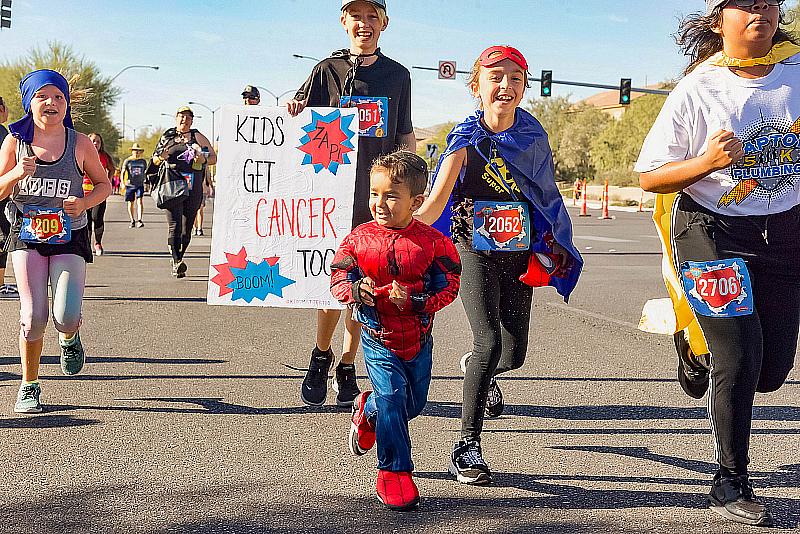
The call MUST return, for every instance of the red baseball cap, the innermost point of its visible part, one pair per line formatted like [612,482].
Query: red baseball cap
[496,54]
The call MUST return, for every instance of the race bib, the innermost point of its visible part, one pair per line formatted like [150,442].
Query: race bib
[189,177]
[372,113]
[45,225]
[719,288]
[503,226]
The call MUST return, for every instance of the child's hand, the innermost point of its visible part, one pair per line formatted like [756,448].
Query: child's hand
[398,295]
[74,206]
[724,149]
[294,107]
[366,291]
[26,166]
[564,260]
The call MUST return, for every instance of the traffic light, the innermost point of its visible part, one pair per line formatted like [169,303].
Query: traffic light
[547,82]
[5,14]
[625,91]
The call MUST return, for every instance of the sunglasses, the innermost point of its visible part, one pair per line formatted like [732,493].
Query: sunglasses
[751,3]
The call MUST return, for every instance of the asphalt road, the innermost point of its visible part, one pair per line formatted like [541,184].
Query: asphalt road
[187,418]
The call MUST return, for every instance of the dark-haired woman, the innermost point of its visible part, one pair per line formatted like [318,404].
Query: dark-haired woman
[725,141]
[188,152]
[98,213]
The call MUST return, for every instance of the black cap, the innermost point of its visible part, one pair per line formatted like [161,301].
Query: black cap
[251,91]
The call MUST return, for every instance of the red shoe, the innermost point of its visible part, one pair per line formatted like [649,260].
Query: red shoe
[396,490]
[362,433]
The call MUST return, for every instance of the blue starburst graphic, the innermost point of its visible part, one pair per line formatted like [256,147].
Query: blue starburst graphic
[257,281]
[327,141]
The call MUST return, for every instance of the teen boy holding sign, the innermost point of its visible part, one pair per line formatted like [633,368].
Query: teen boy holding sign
[359,76]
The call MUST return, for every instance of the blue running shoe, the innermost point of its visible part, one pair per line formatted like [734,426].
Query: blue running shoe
[28,399]
[72,355]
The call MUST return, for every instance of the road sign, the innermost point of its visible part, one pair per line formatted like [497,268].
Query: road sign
[5,14]
[447,70]
[432,150]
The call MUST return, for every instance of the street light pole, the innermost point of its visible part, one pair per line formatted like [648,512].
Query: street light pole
[154,67]
[277,97]
[213,111]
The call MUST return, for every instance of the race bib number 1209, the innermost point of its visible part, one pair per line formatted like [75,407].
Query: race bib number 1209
[718,288]
[45,225]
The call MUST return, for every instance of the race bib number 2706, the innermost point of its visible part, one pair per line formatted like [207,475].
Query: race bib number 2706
[719,288]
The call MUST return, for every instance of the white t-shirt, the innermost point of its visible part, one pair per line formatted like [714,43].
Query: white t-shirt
[764,113]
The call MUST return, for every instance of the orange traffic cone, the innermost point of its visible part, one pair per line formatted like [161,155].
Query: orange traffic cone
[584,211]
[641,201]
[605,214]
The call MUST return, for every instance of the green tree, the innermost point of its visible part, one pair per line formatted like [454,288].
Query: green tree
[146,138]
[570,130]
[616,149]
[439,139]
[92,94]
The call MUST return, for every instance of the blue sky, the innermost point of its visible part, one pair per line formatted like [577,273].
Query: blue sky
[207,51]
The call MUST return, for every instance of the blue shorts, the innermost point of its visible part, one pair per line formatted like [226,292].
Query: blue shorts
[133,192]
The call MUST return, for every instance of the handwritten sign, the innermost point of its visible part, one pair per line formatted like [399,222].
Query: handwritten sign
[284,203]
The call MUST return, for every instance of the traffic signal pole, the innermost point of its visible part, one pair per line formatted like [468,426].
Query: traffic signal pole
[575,84]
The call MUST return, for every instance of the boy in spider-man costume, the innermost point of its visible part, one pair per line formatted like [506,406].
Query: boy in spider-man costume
[395,272]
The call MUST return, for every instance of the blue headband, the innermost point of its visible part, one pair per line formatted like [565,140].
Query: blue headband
[30,84]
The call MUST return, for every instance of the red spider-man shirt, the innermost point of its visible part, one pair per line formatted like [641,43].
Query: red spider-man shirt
[417,257]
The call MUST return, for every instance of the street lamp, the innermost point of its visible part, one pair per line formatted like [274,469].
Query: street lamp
[139,128]
[277,97]
[154,67]
[213,137]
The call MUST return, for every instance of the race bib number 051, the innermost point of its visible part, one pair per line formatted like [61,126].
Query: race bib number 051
[718,288]
[372,113]
[45,225]
[501,226]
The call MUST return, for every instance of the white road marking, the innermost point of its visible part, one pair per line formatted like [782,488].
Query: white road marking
[604,239]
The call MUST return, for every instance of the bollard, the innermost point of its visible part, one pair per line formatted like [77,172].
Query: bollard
[584,211]
[605,214]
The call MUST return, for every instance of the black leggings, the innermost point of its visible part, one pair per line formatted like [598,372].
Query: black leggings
[752,352]
[498,308]
[96,216]
[5,230]
[180,219]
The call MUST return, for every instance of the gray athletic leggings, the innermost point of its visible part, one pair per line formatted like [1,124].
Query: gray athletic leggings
[498,308]
[66,274]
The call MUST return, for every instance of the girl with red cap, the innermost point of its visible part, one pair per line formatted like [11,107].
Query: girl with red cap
[495,186]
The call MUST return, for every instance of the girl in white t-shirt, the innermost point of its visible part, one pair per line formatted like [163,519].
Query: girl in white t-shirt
[728,142]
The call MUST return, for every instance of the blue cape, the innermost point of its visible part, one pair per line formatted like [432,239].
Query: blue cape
[32,82]
[526,152]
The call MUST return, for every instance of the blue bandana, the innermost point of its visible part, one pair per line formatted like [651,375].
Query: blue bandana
[23,128]
[526,152]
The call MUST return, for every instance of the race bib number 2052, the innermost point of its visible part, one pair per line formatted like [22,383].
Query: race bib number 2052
[501,226]
[719,288]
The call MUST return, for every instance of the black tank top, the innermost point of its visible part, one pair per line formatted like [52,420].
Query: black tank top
[480,181]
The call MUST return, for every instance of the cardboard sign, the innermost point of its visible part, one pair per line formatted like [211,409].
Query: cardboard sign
[284,202]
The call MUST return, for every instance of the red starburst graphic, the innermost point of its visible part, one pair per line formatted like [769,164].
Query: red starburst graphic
[235,261]
[325,144]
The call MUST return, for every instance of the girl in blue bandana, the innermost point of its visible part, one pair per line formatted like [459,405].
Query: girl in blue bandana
[495,185]
[41,169]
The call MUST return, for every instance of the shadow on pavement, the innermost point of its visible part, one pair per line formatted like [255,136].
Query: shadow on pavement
[605,412]
[46,421]
[212,406]
[54,360]
[145,299]
[210,510]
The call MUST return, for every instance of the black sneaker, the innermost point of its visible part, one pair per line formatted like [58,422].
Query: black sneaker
[179,269]
[732,497]
[494,400]
[467,463]
[344,384]
[132,224]
[693,370]
[315,384]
